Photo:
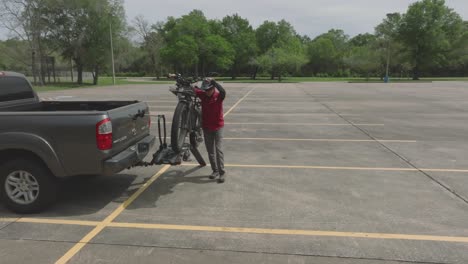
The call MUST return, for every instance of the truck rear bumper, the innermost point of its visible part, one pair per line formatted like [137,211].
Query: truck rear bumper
[129,157]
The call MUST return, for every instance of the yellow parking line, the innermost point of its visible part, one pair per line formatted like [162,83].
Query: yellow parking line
[303,124]
[238,102]
[57,221]
[269,231]
[333,168]
[85,240]
[291,232]
[324,140]
[7,219]
[290,114]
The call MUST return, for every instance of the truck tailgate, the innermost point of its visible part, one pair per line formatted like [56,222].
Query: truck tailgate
[130,124]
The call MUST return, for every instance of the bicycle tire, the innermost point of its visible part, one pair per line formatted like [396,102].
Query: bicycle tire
[178,131]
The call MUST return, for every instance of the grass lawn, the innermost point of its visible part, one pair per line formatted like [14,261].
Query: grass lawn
[103,81]
[107,81]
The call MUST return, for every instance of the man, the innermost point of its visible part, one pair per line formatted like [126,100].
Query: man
[212,95]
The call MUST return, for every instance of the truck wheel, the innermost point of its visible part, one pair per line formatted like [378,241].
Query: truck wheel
[27,185]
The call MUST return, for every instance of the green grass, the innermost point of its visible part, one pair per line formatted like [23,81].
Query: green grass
[103,81]
[107,81]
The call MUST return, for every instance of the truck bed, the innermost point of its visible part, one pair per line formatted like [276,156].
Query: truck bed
[54,106]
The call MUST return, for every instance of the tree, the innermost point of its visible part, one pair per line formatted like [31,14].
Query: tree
[428,30]
[15,55]
[286,54]
[322,55]
[326,52]
[151,43]
[240,34]
[363,59]
[217,53]
[387,37]
[80,30]
[182,53]
[362,40]
[24,18]
[459,54]
[267,35]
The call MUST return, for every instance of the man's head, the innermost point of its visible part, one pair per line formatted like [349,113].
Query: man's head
[208,86]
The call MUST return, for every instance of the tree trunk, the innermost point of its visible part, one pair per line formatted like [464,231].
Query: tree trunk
[33,60]
[254,76]
[272,75]
[279,78]
[95,75]
[416,73]
[71,69]
[79,69]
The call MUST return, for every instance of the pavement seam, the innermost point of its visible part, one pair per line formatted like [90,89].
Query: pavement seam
[446,187]
[264,252]
[224,250]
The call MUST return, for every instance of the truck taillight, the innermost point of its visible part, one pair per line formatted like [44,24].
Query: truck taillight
[104,134]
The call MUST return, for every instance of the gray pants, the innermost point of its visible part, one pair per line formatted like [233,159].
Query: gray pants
[214,146]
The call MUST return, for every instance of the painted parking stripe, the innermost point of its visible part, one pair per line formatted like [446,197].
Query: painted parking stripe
[291,232]
[303,124]
[323,140]
[101,225]
[247,230]
[334,168]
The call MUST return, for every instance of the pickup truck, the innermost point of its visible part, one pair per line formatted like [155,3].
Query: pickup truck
[43,141]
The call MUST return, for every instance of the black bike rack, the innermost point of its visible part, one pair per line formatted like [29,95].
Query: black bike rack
[166,155]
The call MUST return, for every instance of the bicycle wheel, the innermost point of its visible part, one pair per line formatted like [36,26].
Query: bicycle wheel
[196,137]
[179,128]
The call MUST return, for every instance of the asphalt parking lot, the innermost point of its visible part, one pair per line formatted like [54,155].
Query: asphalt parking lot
[317,173]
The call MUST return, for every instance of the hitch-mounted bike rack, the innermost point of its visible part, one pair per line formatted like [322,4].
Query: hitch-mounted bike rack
[166,155]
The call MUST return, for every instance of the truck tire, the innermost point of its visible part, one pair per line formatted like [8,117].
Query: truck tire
[27,185]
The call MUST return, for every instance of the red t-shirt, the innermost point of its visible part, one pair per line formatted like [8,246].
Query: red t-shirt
[212,110]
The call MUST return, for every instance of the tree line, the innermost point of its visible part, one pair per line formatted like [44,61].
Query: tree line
[429,39]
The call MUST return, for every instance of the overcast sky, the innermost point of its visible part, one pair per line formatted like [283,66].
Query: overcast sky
[311,17]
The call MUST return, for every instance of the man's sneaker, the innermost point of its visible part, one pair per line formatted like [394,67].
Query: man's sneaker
[221,178]
[213,175]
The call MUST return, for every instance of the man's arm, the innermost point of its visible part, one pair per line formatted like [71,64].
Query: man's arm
[198,91]
[222,92]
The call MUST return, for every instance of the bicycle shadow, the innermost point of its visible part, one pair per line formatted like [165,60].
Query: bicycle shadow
[165,185]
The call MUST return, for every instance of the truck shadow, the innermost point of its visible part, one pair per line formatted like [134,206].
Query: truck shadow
[85,195]
[95,197]
[165,185]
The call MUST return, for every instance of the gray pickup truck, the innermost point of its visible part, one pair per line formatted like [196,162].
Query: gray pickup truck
[42,141]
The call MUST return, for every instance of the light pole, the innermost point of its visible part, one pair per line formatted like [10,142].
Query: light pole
[112,53]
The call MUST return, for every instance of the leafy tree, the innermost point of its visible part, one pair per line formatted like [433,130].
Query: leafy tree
[286,54]
[240,34]
[79,29]
[387,37]
[428,30]
[364,60]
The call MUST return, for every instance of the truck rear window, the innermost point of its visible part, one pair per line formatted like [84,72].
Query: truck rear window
[14,88]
